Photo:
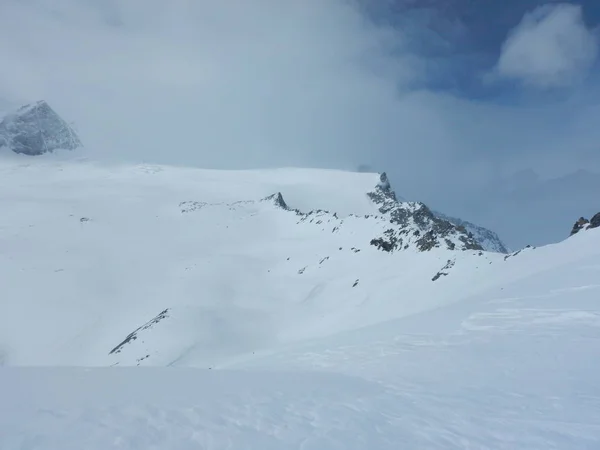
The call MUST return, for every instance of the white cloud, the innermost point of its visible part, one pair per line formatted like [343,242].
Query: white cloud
[216,83]
[239,84]
[551,47]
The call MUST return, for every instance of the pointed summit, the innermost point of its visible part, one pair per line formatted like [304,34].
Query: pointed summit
[383,190]
[277,200]
[36,129]
[384,182]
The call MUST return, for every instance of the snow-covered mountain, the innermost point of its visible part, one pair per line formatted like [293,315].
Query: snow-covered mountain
[279,245]
[295,308]
[36,129]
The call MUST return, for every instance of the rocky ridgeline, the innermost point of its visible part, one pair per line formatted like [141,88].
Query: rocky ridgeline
[585,224]
[489,240]
[405,224]
[37,129]
[413,222]
[398,225]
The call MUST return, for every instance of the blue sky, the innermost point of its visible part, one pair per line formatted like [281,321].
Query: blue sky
[466,37]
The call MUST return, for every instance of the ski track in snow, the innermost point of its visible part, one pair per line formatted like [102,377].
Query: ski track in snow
[498,354]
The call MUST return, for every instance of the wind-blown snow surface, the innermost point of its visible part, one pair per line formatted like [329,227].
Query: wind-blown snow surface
[339,346]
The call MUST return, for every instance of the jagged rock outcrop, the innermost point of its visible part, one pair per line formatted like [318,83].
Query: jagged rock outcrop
[584,224]
[277,200]
[489,240]
[36,129]
[581,223]
[415,222]
[134,334]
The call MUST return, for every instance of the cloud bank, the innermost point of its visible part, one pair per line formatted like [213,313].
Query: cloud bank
[551,47]
[238,84]
[219,83]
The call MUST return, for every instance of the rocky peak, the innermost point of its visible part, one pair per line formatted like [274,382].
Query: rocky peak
[277,200]
[585,224]
[383,195]
[414,221]
[385,186]
[579,225]
[36,129]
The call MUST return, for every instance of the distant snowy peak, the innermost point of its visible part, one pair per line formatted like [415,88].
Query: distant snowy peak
[36,129]
[414,223]
[489,240]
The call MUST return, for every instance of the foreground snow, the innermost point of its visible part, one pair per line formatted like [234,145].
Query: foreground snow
[270,353]
[514,368]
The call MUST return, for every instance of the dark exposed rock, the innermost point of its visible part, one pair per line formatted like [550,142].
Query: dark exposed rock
[388,242]
[430,230]
[134,335]
[190,206]
[444,270]
[579,225]
[36,129]
[277,200]
[489,240]
[584,224]
[527,247]
[427,242]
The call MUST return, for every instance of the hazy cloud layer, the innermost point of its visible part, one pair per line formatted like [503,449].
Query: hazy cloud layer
[236,84]
[551,47]
[215,83]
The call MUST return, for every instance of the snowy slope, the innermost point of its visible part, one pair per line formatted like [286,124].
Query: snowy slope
[512,367]
[99,251]
[314,336]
